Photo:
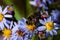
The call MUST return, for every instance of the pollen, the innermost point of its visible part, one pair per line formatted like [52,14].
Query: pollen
[7,33]
[1,17]
[49,25]
[30,27]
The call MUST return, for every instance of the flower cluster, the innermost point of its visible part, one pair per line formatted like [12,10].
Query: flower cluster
[40,22]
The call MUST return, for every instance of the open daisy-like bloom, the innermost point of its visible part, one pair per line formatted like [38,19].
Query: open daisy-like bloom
[26,30]
[9,32]
[3,15]
[49,26]
[17,34]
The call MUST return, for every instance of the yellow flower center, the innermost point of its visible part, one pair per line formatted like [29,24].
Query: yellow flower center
[10,8]
[7,33]
[30,27]
[20,33]
[1,17]
[49,25]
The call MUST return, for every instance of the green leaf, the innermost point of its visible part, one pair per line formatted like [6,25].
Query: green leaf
[8,2]
[35,37]
[29,9]
[49,38]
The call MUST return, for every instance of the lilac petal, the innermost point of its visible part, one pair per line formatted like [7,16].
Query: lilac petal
[49,19]
[1,25]
[4,38]
[42,22]
[6,25]
[33,3]
[14,30]
[15,23]
[56,28]
[23,20]
[41,28]
[5,10]
[55,32]
[11,24]
[51,33]
[26,38]
[15,38]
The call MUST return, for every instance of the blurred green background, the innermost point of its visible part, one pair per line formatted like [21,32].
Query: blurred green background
[22,8]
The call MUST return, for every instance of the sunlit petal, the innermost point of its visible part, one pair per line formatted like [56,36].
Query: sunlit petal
[41,28]
[33,3]
[42,22]
[5,10]
[8,16]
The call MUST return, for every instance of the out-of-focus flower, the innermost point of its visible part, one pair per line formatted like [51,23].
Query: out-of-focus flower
[49,1]
[3,15]
[49,25]
[56,16]
[19,34]
[28,30]
[37,3]
[8,31]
